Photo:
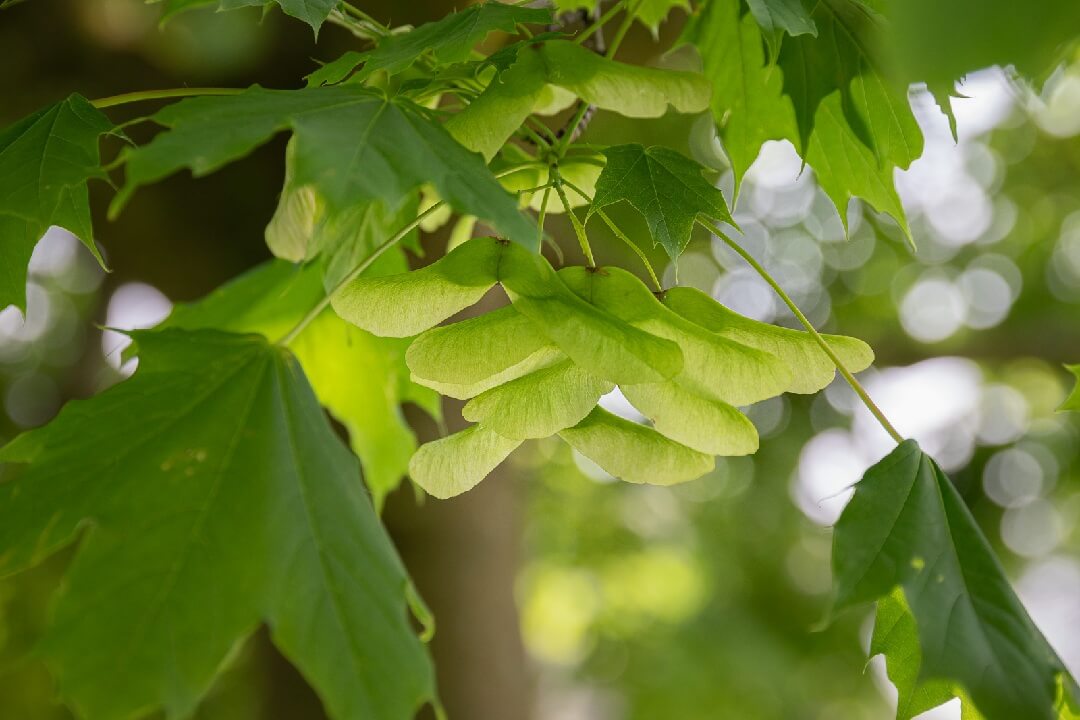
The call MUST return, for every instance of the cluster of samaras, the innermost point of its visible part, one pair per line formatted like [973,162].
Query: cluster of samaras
[538,366]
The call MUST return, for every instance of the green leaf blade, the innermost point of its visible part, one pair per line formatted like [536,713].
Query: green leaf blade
[666,187]
[351,144]
[409,303]
[539,404]
[633,452]
[907,526]
[228,484]
[1072,402]
[811,368]
[449,466]
[46,161]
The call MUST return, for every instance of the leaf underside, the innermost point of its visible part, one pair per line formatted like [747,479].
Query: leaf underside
[221,485]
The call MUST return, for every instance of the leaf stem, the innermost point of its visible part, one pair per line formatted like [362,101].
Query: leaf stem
[619,234]
[847,375]
[624,27]
[142,95]
[579,229]
[599,23]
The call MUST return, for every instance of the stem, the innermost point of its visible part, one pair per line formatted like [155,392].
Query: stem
[619,234]
[855,385]
[579,229]
[599,23]
[142,95]
[542,215]
[631,11]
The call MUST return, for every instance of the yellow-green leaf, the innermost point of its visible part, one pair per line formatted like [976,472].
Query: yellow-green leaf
[538,404]
[633,452]
[451,465]
[713,366]
[702,423]
[408,303]
[811,368]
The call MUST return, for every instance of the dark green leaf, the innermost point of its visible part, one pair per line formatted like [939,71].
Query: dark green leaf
[335,71]
[46,160]
[211,479]
[906,526]
[776,17]
[452,38]
[1073,401]
[312,12]
[351,145]
[841,59]
[361,379]
[995,32]
[664,186]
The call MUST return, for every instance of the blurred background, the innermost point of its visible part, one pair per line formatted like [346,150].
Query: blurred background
[560,594]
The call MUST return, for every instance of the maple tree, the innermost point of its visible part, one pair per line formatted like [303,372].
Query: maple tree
[213,476]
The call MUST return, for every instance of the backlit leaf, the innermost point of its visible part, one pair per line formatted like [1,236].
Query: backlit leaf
[46,160]
[702,423]
[210,479]
[897,638]
[539,404]
[665,186]
[451,465]
[1073,401]
[474,350]
[351,144]
[747,99]
[629,90]
[633,452]
[811,369]
[713,366]
[594,339]
[907,526]
[408,303]
[841,60]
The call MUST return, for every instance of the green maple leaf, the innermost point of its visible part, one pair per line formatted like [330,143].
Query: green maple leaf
[351,144]
[827,97]
[906,526]
[305,227]
[514,94]
[840,59]
[452,38]
[747,99]
[1073,401]
[210,479]
[776,17]
[46,160]
[361,379]
[663,185]
[846,168]
[312,12]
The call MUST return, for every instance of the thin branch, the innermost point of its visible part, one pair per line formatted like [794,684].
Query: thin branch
[847,374]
